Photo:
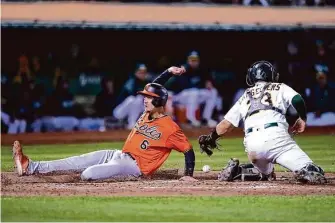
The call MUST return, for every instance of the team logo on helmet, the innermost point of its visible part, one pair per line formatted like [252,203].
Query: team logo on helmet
[261,71]
[260,74]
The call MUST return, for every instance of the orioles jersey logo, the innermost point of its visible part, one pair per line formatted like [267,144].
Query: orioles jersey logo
[150,132]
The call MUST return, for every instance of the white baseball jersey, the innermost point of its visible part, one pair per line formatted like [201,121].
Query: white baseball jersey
[279,95]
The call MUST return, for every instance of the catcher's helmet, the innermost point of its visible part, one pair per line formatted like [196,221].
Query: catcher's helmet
[261,71]
[157,92]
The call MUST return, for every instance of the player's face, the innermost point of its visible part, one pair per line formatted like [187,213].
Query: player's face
[194,63]
[148,106]
[141,74]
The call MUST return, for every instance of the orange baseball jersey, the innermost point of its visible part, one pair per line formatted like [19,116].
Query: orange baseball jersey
[151,141]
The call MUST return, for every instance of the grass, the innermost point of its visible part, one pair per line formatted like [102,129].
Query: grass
[245,209]
[321,149]
[240,208]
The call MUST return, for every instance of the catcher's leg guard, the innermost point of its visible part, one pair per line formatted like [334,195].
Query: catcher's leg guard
[244,172]
[230,171]
[248,172]
[311,173]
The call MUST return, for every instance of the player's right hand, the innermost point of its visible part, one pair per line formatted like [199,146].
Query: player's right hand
[299,126]
[177,70]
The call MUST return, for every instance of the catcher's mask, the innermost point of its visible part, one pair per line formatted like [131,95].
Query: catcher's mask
[261,71]
[157,92]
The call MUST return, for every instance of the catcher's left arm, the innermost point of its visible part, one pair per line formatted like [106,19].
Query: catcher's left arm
[209,142]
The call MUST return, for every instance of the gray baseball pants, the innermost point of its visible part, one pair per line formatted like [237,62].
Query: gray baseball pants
[96,165]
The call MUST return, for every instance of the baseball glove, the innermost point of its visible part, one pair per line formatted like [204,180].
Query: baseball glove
[207,144]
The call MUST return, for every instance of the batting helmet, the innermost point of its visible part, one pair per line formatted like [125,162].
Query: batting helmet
[157,92]
[261,71]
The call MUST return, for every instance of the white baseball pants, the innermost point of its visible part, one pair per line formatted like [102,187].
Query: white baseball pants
[265,147]
[131,108]
[192,98]
[96,165]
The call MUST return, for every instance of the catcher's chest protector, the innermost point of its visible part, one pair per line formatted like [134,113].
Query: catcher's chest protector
[256,103]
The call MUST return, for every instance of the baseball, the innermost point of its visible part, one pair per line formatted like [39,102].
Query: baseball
[206,168]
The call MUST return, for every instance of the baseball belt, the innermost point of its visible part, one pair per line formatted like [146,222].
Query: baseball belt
[268,125]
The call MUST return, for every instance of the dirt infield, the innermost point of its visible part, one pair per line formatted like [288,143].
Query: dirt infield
[165,182]
[120,135]
[162,184]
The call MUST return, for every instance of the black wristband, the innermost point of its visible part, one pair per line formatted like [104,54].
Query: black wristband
[214,135]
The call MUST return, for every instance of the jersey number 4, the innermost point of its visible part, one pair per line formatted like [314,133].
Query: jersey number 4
[144,145]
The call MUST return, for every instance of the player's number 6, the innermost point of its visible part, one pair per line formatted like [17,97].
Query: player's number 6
[144,144]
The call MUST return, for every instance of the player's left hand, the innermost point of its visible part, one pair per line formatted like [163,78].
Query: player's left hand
[299,126]
[207,144]
[177,70]
[188,179]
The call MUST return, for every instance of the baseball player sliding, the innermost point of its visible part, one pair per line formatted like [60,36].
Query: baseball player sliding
[145,150]
[262,109]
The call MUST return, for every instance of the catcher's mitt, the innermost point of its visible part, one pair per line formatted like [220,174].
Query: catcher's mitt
[207,144]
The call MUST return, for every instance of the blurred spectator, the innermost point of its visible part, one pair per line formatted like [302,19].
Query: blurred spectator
[90,79]
[323,96]
[104,105]
[20,109]
[24,107]
[20,102]
[195,88]
[105,101]
[60,109]
[320,62]
[129,104]
[24,74]
[10,113]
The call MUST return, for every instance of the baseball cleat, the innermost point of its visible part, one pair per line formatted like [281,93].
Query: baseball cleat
[229,171]
[21,161]
[310,177]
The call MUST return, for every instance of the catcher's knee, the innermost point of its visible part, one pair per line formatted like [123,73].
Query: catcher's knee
[311,173]
[252,157]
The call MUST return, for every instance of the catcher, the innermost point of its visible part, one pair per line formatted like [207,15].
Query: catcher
[262,109]
[147,147]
